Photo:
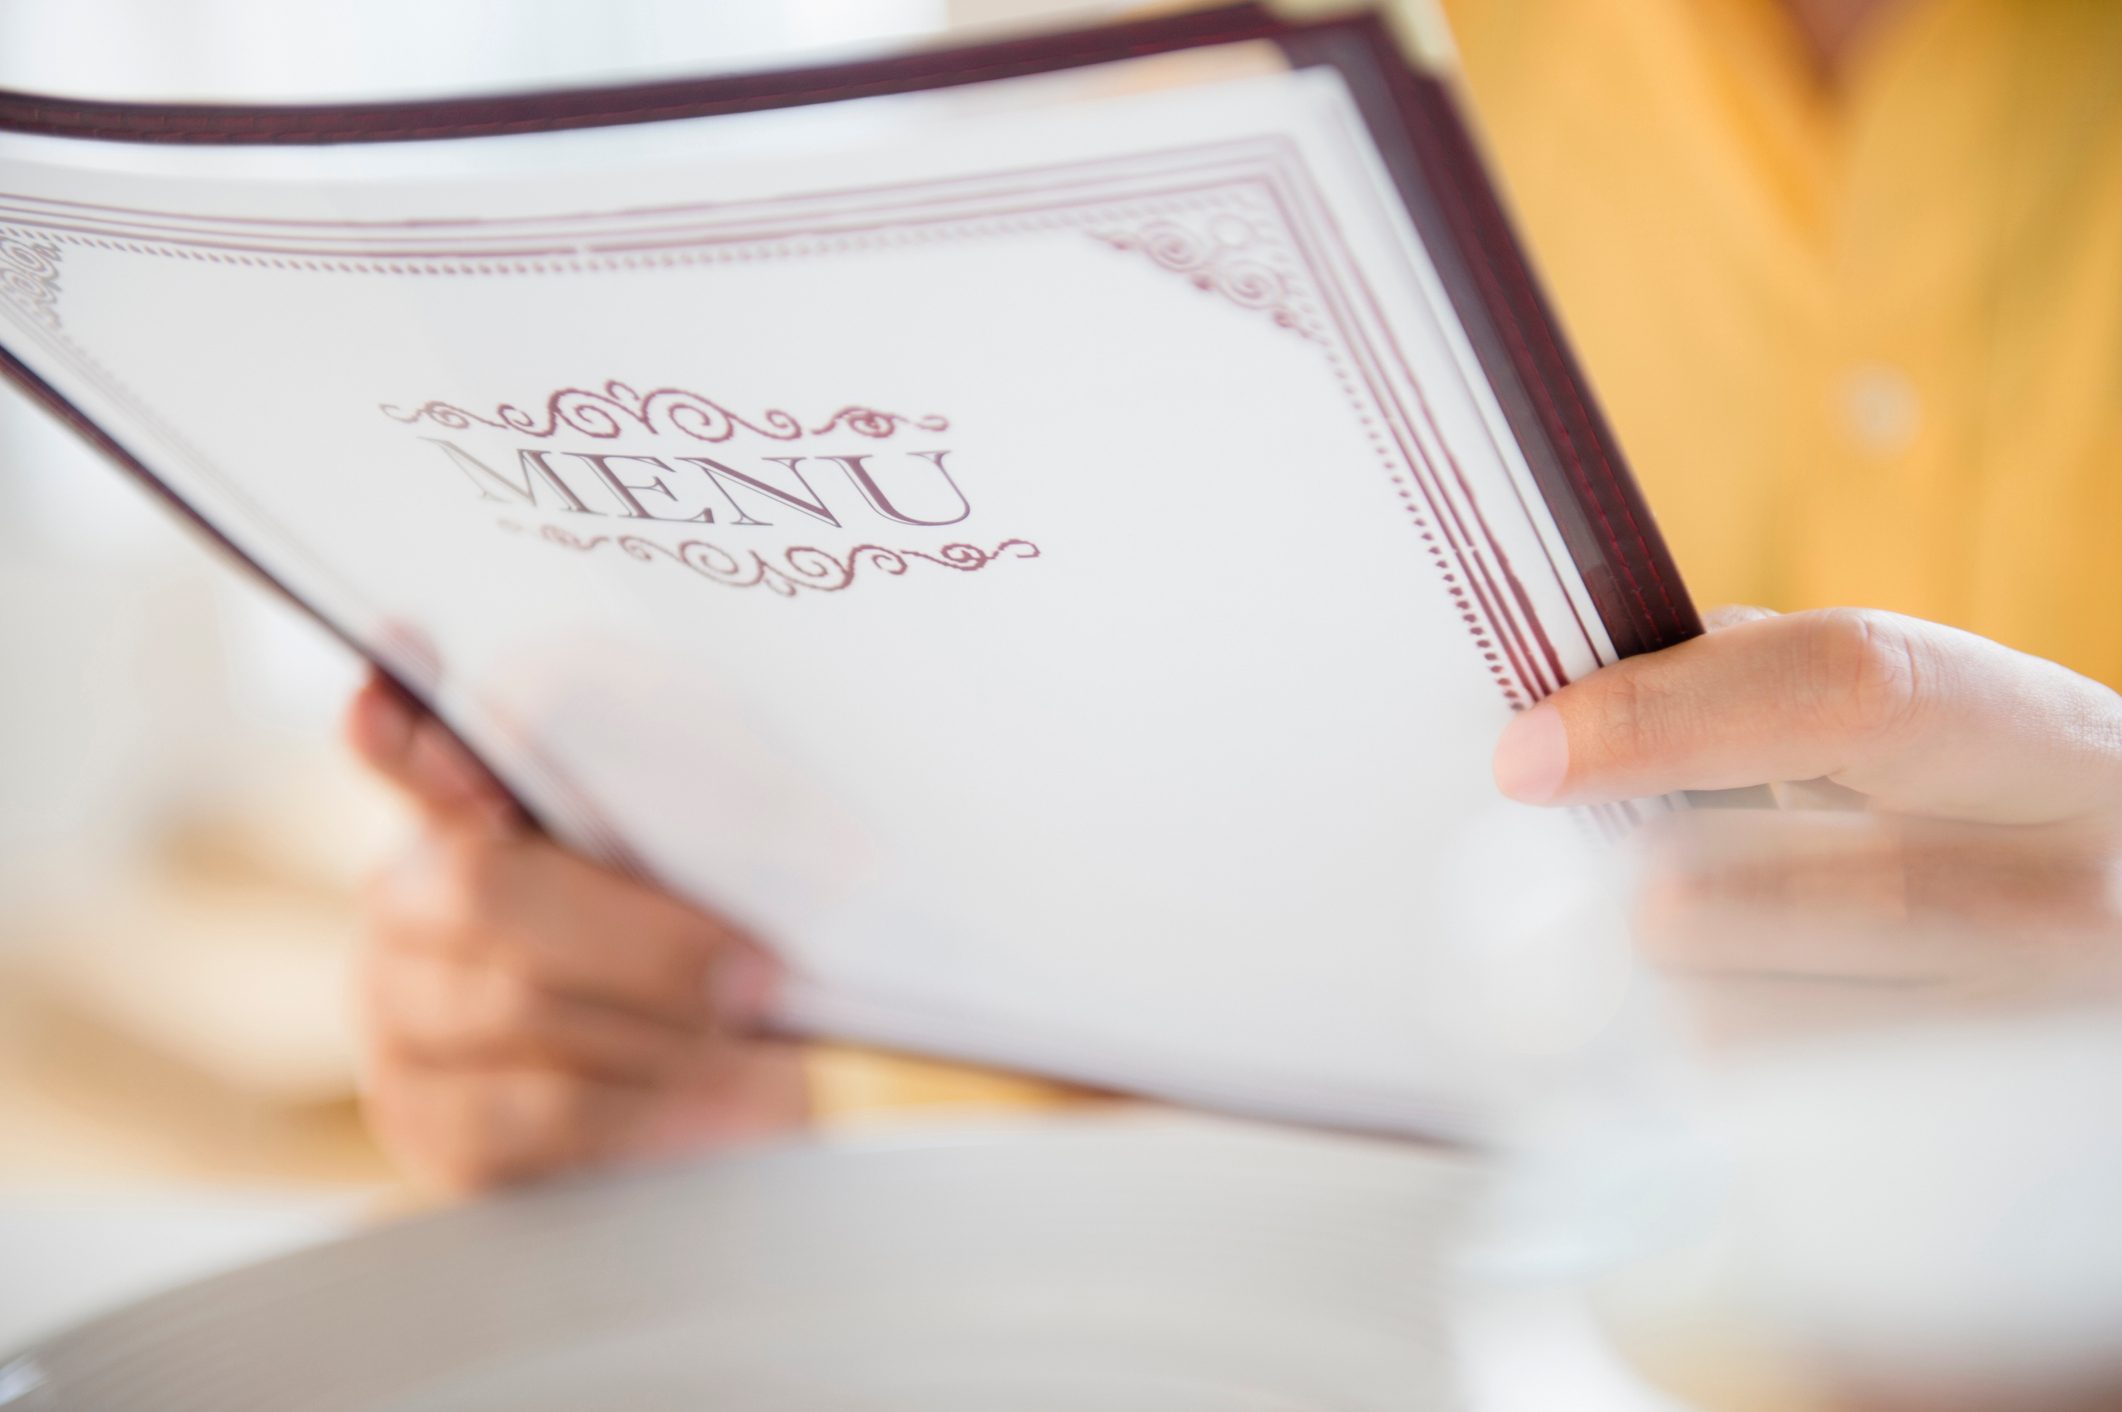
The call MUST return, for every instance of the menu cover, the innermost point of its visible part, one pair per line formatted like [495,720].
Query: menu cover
[1044,533]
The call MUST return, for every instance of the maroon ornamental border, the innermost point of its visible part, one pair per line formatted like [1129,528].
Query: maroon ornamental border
[1605,524]
[1209,178]
[1623,559]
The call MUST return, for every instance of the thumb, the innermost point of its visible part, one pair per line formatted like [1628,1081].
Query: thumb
[1918,717]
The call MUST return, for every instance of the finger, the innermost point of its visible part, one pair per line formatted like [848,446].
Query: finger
[1921,718]
[379,726]
[437,1010]
[1720,893]
[751,1090]
[1879,898]
[572,926]
[422,759]
[475,1129]
[1725,1011]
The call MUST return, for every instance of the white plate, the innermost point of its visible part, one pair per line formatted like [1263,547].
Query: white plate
[1123,1266]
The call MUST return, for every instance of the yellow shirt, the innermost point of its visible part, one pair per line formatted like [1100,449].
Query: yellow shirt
[1863,340]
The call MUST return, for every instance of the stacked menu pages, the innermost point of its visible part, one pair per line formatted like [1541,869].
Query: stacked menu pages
[1043,533]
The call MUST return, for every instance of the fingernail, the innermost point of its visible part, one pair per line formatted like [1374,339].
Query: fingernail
[444,768]
[379,724]
[1532,757]
[744,983]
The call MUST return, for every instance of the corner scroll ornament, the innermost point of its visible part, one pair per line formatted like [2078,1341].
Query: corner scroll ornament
[1221,255]
[609,412]
[29,277]
[798,568]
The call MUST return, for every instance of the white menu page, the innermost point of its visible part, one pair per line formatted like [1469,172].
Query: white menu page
[1041,553]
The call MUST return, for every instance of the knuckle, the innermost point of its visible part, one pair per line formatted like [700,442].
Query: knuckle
[470,871]
[516,1006]
[424,1128]
[1862,671]
[467,1159]
[445,883]
[681,964]
[384,912]
[398,1037]
[550,1113]
[471,1135]
[1634,714]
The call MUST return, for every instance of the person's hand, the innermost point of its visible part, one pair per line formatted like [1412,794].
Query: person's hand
[1958,805]
[525,1012]
[1951,841]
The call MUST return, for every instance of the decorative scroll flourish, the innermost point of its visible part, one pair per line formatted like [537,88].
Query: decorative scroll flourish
[29,276]
[1222,257]
[799,567]
[617,407]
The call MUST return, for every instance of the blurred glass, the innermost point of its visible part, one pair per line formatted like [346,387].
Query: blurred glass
[1875,1164]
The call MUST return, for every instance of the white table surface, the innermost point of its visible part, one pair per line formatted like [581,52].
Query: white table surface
[66,1257]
